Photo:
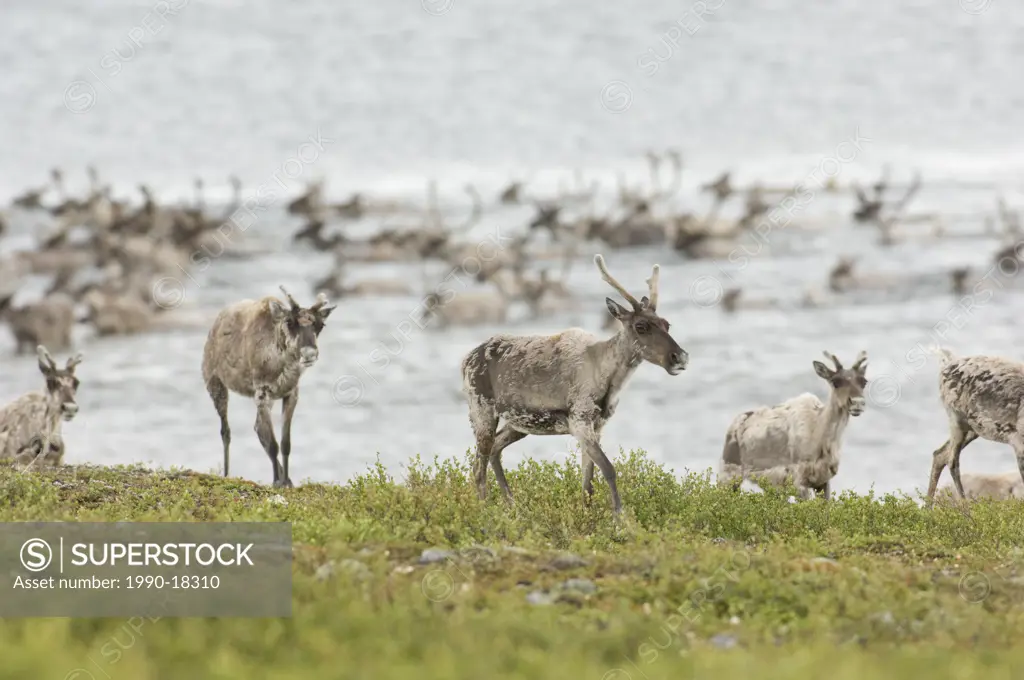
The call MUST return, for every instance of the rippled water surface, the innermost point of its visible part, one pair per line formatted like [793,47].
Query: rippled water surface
[394,94]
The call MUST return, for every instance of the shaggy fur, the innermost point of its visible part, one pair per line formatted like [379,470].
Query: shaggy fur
[982,396]
[1001,486]
[47,322]
[259,349]
[30,426]
[117,313]
[467,308]
[567,383]
[799,439]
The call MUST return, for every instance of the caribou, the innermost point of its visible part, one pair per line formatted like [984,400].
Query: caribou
[566,383]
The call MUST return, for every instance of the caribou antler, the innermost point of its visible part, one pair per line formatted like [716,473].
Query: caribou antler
[476,212]
[610,280]
[45,358]
[654,161]
[652,286]
[73,361]
[858,365]
[295,305]
[321,300]
[676,159]
[829,355]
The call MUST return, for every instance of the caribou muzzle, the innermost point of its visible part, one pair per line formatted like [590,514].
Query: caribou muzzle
[308,356]
[677,362]
[857,405]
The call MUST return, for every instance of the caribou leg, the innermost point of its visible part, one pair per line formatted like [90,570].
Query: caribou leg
[265,431]
[581,427]
[288,405]
[219,394]
[484,421]
[504,438]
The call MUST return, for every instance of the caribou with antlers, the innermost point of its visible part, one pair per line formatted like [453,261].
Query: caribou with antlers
[30,426]
[567,383]
[259,349]
[800,439]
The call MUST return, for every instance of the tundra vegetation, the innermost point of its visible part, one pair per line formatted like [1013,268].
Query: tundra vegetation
[418,578]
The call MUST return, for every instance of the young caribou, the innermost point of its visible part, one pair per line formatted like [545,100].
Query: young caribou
[799,439]
[983,398]
[567,383]
[259,349]
[999,486]
[30,426]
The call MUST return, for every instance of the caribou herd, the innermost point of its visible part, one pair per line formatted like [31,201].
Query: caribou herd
[106,255]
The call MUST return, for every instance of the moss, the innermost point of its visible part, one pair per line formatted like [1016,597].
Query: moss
[694,581]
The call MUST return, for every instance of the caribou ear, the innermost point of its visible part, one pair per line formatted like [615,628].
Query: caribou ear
[615,309]
[46,365]
[73,362]
[277,311]
[823,371]
[325,312]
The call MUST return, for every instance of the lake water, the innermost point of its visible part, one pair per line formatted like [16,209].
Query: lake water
[378,97]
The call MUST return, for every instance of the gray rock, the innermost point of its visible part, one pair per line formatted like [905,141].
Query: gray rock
[885,618]
[479,550]
[538,597]
[568,561]
[724,641]
[580,585]
[515,550]
[356,568]
[432,555]
[325,571]
[328,570]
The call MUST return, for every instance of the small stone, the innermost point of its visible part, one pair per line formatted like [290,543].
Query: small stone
[432,555]
[404,569]
[580,585]
[277,499]
[568,561]
[325,571]
[356,568]
[885,618]
[735,620]
[724,641]
[515,550]
[538,597]
[478,550]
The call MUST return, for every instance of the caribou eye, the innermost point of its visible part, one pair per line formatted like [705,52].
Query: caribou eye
[642,327]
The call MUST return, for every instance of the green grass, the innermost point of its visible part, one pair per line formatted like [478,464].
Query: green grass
[695,582]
